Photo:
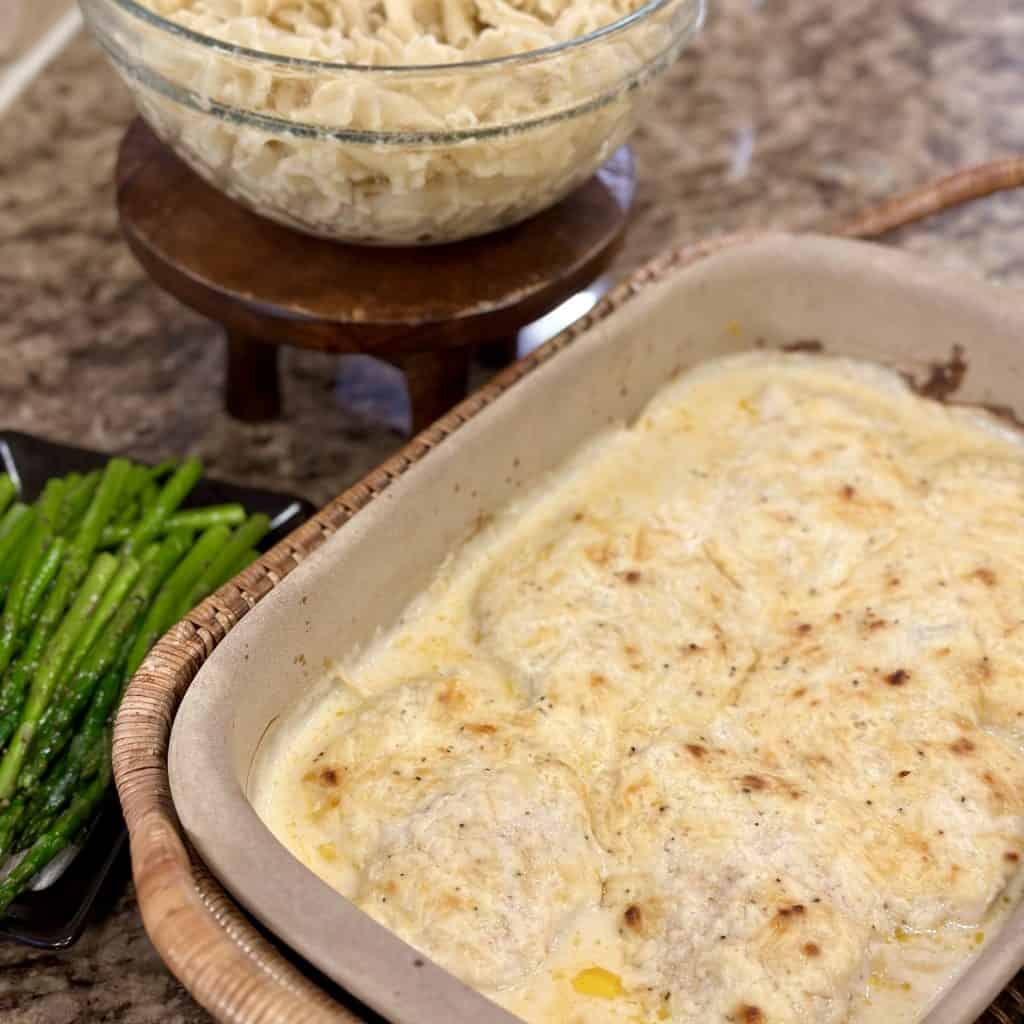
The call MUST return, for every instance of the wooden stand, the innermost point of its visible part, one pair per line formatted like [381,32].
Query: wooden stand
[424,309]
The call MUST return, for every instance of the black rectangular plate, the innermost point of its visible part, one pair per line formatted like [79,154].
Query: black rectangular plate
[55,917]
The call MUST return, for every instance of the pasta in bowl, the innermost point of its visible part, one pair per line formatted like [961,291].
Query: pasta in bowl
[393,122]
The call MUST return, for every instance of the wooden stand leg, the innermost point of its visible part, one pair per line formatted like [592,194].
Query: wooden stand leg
[253,389]
[497,354]
[436,381]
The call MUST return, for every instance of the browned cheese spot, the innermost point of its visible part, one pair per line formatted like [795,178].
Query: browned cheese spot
[848,492]
[453,902]
[451,696]
[811,949]
[897,678]
[793,910]
[753,782]
[325,776]
[696,750]
[797,694]
[996,790]
[632,576]
[962,746]
[635,656]
[1011,856]
[986,576]
[804,628]
[634,917]
[747,1014]
[482,728]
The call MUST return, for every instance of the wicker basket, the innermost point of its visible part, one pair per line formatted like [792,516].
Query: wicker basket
[221,956]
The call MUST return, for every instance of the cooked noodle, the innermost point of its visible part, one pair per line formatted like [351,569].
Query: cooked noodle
[578,106]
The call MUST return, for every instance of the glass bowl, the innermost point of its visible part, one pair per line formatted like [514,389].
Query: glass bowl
[393,155]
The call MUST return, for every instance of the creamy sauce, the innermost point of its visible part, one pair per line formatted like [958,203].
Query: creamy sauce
[722,723]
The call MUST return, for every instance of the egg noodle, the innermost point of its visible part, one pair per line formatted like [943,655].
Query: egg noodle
[395,32]
[547,123]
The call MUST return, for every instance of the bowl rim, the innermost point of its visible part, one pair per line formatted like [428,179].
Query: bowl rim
[136,9]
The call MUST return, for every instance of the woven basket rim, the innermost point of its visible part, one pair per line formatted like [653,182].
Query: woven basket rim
[200,933]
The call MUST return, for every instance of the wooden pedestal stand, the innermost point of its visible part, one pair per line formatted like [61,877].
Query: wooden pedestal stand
[423,309]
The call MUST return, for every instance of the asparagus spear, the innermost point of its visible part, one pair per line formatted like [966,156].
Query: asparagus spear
[63,831]
[8,490]
[148,497]
[163,612]
[104,702]
[71,482]
[80,551]
[48,674]
[14,514]
[10,818]
[36,544]
[224,566]
[12,699]
[112,598]
[230,514]
[128,501]
[102,505]
[124,520]
[16,680]
[162,469]
[173,494]
[60,723]
[138,477]
[49,501]
[81,761]
[30,556]
[14,527]
[189,519]
[102,656]
[45,573]
[77,496]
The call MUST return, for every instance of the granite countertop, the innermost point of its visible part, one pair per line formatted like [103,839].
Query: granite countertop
[782,115]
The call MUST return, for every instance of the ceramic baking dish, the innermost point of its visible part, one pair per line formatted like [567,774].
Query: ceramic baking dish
[954,337]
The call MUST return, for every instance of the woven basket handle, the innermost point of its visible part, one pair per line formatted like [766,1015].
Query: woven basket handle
[934,197]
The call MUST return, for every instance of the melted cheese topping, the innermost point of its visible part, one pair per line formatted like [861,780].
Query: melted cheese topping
[722,723]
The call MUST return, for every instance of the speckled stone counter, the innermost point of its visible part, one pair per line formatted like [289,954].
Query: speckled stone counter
[783,115]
